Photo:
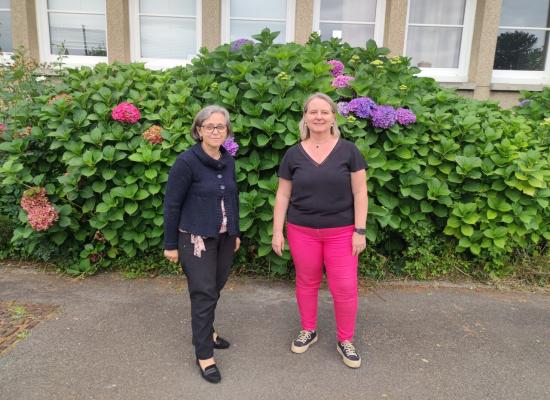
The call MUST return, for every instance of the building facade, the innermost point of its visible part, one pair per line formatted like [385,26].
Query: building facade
[487,49]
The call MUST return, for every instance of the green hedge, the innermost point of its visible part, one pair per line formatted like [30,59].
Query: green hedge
[467,177]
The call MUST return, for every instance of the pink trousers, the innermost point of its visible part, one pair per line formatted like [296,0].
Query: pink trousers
[332,247]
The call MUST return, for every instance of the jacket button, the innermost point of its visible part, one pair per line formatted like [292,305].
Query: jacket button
[220,176]
[222,187]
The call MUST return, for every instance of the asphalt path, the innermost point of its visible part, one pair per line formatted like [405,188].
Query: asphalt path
[114,338]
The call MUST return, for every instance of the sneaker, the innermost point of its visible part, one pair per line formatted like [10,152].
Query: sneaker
[303,341]
[349,354]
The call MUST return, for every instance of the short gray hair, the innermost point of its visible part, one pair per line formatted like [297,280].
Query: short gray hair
[204,114]
[304,130]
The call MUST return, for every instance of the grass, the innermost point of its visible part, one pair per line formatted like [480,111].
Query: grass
[18,312]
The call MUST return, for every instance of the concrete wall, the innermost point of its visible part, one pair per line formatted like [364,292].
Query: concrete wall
[211,23]
[118,31]
[304,20]
[23,25]
[395,25]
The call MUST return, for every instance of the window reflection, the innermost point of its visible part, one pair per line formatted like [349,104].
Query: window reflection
[77,27]
[5,27]
[522,42]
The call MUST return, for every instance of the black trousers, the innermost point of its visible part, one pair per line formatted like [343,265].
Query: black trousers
[206,277]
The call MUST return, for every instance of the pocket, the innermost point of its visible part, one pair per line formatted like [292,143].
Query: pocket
[184,241]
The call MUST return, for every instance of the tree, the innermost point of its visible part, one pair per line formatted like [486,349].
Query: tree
[516,51]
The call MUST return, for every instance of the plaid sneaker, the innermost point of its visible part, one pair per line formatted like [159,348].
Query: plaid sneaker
[349,354]
[303,341]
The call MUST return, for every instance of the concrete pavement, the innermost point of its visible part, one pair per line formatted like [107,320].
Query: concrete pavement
[112,338]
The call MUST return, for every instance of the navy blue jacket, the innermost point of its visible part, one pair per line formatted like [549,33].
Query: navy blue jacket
[192,201]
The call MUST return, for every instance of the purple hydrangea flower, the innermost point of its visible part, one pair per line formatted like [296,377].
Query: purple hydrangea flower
[337,67]
[524,102]
[343,108]
[237,44]
[342,81]
[361,106]
[383,116]
[231,146]
[405,116]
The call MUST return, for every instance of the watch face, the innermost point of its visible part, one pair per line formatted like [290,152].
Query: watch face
[360,231]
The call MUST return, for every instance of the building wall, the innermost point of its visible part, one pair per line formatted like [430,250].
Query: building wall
[478,86]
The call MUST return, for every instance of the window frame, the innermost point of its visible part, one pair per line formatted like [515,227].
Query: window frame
[290,21]
[135,37]
[379,20]
[44,43]
[6,56]
[459,74]
[524,76]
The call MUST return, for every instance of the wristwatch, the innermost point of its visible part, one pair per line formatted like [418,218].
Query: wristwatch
[360,231]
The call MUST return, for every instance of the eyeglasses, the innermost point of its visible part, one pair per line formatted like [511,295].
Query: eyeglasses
[210,128]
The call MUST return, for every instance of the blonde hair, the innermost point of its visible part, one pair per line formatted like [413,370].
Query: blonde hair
[304,130]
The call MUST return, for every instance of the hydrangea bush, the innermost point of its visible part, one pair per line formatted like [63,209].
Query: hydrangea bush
[445,172]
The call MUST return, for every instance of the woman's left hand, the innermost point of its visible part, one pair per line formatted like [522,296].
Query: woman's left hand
[237,243]
[359,243]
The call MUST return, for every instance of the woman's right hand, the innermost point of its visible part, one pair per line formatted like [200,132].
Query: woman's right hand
[171,255]
[278,243]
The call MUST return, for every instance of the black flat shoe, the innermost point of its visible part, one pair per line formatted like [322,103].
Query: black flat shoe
[221,343]
[210,373]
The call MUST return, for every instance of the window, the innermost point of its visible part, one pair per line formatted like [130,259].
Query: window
[439,37]
[353,21]
[5,27]
[244,18]
[74,28]
[522,54]
[165,33]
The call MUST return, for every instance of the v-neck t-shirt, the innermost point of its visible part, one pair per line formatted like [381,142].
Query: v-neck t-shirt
[321,194]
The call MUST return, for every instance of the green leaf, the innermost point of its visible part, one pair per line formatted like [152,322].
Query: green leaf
[99,186]
[467,230]
[262,140]
[108,174]
[404,153]
[130,207]
[102,208]
[491,214]
[150,173]
[59,237]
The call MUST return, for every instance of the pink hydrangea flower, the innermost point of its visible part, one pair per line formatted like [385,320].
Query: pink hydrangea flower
[42,218]
[337,67]
[152,135]
[40,213]
[126,112]
[342,81]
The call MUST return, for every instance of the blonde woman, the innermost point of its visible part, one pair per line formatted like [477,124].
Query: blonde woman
[322,194]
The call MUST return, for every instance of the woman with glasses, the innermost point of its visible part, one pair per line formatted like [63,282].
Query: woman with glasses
[201,226]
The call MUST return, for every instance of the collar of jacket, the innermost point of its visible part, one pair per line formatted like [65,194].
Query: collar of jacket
[209,161]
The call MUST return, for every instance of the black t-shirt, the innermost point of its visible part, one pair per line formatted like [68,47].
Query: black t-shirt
[321,193]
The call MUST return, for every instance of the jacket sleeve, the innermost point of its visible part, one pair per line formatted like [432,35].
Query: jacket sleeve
[179,181]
